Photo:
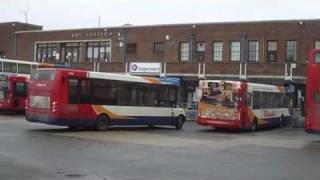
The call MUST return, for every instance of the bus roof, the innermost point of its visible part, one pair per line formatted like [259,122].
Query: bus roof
[14,74]
[122,77]
[253,86]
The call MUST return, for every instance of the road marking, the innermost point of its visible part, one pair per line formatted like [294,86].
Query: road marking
[136,138]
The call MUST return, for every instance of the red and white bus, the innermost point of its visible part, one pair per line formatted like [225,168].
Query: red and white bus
[77,98]
[241,105]
[13,92]
[312,107]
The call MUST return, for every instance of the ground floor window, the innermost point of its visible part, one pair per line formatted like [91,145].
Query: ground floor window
[47,52]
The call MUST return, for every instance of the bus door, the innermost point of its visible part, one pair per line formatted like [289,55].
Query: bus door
[19,93]
[73,96]
[3,89]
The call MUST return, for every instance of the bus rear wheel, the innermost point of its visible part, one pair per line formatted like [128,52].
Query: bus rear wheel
[102,123]
[179,122]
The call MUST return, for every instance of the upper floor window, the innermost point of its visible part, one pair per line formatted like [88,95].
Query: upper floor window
[317,44]
[184,51]
[291,51]
[158,47]
[99,51]
[235,51]
[253,51]
[2,54]
[217,50]
[131,48]
[272,48]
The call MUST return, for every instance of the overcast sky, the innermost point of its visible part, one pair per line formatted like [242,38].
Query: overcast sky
[61,14]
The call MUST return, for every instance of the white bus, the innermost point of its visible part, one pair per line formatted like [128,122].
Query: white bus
[82,98]
[241,105]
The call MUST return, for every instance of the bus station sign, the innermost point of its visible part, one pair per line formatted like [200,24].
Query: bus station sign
[145,68]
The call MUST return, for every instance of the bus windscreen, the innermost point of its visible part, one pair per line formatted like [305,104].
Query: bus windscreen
[43,75]
[217,94]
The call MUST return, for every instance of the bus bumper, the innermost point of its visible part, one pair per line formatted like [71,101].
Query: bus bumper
[232,124]
[46,119]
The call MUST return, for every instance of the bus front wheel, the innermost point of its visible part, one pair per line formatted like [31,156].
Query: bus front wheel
[102,123]
[179,122]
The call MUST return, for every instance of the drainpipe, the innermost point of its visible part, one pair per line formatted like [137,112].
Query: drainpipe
[191,45]
[123,44]
[243,55]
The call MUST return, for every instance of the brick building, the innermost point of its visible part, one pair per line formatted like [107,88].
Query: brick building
[276,51]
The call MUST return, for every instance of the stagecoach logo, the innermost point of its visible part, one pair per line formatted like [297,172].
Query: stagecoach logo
[145,68]
[134,67]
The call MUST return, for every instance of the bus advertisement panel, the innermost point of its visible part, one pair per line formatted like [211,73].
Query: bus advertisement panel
[81,98]
[240,105]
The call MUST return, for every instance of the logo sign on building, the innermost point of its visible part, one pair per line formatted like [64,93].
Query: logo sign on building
[145,68]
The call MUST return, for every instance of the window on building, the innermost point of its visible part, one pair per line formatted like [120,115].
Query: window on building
[131,48]
[201,46]
[235,51]
[291,51]
[184,51]
[317,44]
[200,49]
[272,48]
[158,47]
[47,52]
[253,51]
[72,51]
[99,51]
[217,50]
[2,54]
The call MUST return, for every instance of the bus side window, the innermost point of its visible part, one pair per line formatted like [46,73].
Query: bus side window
[264,100]
[173,96]
[104,92]
[163,96]
[277,102]
[73,91]
[249,99]
[85,91]
[256,100]
[317,58]
[316,97]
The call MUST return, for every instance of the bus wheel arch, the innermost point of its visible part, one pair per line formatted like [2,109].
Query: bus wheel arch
[179,122]
[102,122]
